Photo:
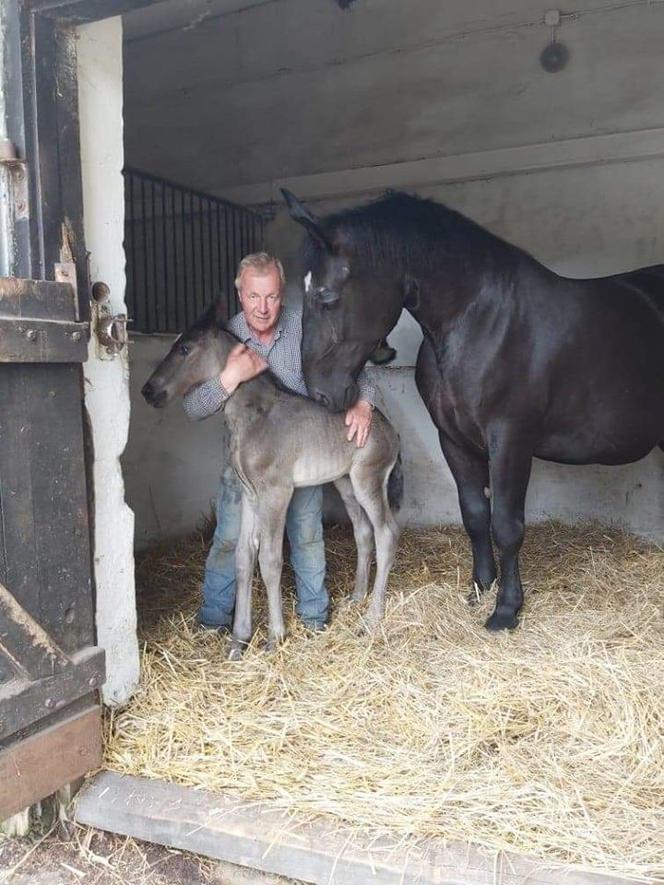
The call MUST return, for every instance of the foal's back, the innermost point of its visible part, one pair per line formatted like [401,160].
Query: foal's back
[303,441]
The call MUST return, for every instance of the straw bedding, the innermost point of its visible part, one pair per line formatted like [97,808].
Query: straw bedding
[546,741]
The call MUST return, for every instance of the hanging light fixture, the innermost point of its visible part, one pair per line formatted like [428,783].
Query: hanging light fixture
[555,56]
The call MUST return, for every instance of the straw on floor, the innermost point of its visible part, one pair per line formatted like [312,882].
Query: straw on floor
[546,741]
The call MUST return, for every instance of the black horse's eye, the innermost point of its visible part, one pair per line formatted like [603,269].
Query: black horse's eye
[328,297]
[185,349]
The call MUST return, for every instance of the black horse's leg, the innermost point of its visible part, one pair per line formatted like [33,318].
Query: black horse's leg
[509,469]
[471,474]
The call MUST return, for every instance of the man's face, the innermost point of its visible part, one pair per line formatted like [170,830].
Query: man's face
[260,297]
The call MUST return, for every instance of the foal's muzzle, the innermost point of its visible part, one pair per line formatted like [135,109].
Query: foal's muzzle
[154,397]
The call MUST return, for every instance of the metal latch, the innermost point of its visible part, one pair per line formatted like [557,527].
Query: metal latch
[110,328]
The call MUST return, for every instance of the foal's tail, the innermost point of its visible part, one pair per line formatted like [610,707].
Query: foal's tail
[395,486]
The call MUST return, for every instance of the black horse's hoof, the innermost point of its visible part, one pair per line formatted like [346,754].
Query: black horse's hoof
[502,619]
[475,595]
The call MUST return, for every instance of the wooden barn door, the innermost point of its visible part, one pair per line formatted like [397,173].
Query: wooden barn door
[50,668]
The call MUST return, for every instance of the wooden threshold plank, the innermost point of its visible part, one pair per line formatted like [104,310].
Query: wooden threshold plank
[263,838]
[39,765]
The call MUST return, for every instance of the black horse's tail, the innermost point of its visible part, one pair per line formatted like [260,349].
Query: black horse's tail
[395,486]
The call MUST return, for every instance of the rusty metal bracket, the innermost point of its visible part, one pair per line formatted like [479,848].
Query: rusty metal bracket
[109,328]
[26,340]
[18,173]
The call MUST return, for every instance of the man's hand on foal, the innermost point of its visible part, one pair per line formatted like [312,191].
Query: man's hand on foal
[242,365]
[358,422]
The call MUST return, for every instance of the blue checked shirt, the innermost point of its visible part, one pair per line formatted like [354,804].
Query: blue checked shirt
[283,357]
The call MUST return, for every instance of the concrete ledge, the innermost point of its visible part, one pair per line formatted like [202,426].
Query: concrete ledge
[263,838]
[616,147]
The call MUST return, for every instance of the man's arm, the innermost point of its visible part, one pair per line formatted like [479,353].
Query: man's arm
[367,389]
[205,400]
[358,417]
[242,364]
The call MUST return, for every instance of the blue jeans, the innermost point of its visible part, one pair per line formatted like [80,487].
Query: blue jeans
[304,526]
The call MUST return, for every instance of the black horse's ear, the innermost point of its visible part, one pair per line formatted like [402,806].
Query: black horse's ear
[297,210]
[309,222]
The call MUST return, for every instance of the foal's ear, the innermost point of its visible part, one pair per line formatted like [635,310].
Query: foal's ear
[309,222]
[220,312]
[214,315]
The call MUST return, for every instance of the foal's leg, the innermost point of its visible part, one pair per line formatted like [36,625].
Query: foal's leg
[471,474]
[371,492]
[245,561]
[509,468]
[272,510]
[363,537]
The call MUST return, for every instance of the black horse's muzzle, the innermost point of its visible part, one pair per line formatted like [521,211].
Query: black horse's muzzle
[154,397]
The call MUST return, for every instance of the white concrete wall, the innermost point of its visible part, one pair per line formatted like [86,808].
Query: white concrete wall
[447,100]
[171,465]
[107,378]
[297,87]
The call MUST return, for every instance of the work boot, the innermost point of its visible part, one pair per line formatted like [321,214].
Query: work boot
[222,629]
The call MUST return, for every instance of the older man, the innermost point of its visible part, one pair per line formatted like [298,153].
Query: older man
[270,335]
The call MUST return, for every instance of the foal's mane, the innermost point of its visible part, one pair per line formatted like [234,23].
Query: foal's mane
[414,233]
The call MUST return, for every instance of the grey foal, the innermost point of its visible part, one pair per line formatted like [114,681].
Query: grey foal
[279,441]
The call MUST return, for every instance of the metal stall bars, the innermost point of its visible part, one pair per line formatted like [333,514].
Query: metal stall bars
[182,249]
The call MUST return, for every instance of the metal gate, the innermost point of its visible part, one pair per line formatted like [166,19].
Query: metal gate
[182,248]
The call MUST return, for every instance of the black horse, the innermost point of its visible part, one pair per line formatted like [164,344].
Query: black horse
[516,361]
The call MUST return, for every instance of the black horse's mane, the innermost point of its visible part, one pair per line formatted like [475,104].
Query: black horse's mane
[414,233]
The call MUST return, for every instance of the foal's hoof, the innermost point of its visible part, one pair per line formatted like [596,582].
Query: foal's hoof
[350,602]
[272,644]
[502,619]
[369,626]
[237,650]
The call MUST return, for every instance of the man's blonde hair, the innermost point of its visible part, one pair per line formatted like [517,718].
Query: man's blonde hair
[262,262]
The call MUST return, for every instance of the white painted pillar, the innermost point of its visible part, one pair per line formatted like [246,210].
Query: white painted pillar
[107,378]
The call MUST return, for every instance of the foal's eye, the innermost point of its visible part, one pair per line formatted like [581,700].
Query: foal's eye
[185,349]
